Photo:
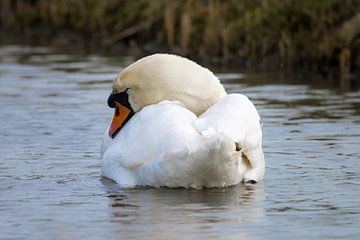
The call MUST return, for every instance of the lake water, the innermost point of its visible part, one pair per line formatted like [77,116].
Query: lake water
[53,114]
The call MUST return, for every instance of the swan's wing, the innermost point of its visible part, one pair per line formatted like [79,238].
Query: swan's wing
[153,131]
[236,117]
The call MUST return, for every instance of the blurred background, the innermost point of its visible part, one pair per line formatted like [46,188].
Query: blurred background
[321,36]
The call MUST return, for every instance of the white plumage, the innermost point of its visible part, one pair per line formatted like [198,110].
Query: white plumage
[167,144]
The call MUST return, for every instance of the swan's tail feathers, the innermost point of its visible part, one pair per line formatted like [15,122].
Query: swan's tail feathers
[213,164]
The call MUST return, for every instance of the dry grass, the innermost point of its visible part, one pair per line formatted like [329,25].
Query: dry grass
[290,32]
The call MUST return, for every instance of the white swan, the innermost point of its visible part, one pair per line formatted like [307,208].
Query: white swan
[175,126]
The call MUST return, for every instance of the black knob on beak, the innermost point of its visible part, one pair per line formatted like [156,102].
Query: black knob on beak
[120,97]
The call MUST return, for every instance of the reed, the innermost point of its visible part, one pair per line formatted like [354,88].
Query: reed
[293,33]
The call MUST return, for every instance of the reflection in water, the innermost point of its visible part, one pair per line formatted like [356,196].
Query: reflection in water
[170,211]
[53,114]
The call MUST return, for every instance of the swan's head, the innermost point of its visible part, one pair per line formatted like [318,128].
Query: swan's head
[159,77]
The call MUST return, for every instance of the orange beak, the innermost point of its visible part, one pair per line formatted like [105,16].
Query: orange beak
[121,115]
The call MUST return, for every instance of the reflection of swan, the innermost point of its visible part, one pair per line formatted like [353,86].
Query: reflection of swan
[166,213]
[165,143]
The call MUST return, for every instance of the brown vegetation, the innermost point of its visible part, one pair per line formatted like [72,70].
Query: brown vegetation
[302,34]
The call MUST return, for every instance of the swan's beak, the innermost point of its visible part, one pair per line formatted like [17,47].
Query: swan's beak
[123,111]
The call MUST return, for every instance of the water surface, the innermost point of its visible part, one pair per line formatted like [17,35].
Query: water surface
[53,114]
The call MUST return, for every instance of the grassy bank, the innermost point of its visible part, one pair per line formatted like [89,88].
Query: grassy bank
[304,34]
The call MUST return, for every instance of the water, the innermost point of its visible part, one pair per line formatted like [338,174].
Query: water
[52,117]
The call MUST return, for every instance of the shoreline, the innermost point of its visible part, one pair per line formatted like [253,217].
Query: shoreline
[328,79]
[307,36]
[70,40]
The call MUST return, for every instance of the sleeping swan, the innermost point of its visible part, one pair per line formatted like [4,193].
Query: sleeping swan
[175,126]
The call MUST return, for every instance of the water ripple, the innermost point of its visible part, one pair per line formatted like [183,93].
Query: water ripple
[53,114]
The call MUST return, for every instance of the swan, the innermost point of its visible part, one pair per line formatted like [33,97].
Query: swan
[174,125]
